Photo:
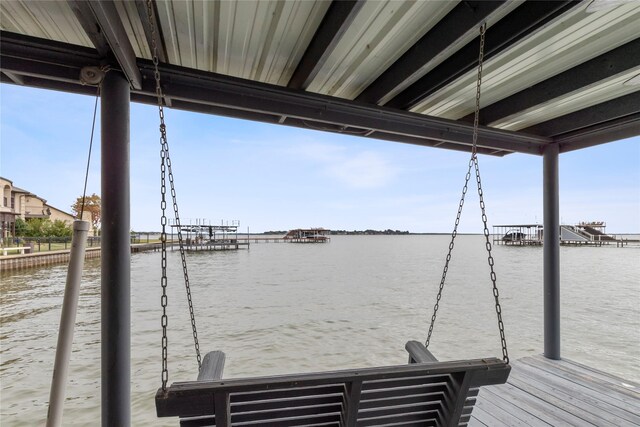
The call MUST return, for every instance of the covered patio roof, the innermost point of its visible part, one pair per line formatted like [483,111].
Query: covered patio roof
[565,72]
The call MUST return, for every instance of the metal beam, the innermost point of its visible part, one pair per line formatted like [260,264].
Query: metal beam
[312,125]
[551,252]
[46,51]
[207,88]
[366,133]
[208,109]
[25,67]
[596,114]
[599,68]
[337,19]
[518,24]
[625,127]
[107,17]
[40,83]
[116,252]
[15,78]
[141,6]
[89,24]
[465,17]
[435,144]
[42,61]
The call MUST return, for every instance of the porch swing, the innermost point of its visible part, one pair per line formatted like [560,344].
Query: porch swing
[423,392]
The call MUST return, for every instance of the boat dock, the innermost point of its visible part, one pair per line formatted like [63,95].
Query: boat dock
[545,392]
[202,235]
[308,235]
[583,233]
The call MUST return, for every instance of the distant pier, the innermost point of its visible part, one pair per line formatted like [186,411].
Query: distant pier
[308,235]
[202,235]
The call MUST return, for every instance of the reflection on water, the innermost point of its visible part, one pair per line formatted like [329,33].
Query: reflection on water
[281,308]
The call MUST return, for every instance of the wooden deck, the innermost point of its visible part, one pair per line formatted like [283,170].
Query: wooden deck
[543,392]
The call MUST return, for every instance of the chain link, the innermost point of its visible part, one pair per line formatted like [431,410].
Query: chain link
[165,167]
[473,163]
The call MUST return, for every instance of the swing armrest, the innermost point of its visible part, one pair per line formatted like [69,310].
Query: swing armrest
[212,366]
[418,353]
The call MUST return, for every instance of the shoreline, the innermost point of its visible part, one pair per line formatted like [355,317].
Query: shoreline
[39,259]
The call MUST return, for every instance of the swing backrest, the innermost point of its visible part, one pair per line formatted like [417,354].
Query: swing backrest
[435,393]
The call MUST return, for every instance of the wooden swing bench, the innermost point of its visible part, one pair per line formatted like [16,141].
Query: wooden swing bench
[425,392]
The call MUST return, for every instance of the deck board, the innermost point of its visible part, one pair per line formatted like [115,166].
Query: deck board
[543,392]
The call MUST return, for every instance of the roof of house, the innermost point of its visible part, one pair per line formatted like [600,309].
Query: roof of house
[60,210]
[20,190]
[565,72]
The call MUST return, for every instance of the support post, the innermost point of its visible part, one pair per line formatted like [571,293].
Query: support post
[67,323]
[116,252]
[551,251]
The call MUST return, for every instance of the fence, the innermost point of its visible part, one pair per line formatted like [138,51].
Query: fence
[45,244]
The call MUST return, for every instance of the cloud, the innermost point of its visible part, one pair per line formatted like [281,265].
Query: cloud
[318,152]
[356,170]
[364,170]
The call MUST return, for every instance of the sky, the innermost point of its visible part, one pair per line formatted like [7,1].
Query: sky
[272,177]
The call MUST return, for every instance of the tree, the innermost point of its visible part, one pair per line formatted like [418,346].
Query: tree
[21,227]
[35,227]
[93,205]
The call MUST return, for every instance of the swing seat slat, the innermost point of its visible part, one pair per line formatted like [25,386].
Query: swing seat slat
[424,392]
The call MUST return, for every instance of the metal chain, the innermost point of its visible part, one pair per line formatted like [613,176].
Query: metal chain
[474,157]
[165,166]
[473,162]
[163,280]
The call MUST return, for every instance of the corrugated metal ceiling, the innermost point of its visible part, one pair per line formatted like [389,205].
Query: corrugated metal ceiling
[246,39]
[51,20]
[573,39]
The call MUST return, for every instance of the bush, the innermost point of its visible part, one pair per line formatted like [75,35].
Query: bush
[57,228]
[40,227]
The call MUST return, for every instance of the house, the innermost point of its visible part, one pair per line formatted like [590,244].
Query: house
[19,203]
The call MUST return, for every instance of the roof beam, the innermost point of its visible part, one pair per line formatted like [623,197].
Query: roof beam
[524,20]
[435,144]
[144,98]
[87,20]
[607,65]
[107,18]
[25,67]
[310,125]
[143,13]
[33,57]
[58,85]
[463,18]
[625,127]
[182,84]
[15,78]
[46,51]
[337,19]
[596,114]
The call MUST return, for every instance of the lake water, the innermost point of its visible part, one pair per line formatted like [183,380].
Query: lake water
[285,308]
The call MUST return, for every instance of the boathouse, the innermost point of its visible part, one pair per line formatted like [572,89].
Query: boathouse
[202,235]
[585,233]
[558,76]
[308,235]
